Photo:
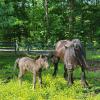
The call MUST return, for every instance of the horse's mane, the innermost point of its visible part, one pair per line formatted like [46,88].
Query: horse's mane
[37,57]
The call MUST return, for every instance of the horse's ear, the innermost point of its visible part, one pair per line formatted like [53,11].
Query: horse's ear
[66,46]
[70,44]
[40,56]
[44,56]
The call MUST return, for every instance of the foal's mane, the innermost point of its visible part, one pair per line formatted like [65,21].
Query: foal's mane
[40,56]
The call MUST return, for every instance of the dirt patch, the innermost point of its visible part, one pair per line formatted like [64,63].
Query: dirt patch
[93,65]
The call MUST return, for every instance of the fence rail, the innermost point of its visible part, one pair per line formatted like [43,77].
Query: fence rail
[8,46]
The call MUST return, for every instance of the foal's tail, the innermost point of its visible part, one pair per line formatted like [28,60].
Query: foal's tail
[16,63]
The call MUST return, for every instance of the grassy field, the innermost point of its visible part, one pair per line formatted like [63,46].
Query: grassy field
[53,88]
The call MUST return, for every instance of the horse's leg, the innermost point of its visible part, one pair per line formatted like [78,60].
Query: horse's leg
[40,78]
[65,72]
[34,80]
[83,78]
[70,76]
[55,67]
[20,75]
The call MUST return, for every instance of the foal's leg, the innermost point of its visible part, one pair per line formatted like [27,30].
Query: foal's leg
[40,78]
[20,79]
[20,75]
[34,80]
[83,78]
[65,72]
[70,76]
[55,67]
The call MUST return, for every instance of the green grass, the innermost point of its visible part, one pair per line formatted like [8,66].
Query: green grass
[93,55]
[52,88]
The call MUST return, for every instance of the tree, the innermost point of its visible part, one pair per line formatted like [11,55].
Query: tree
[71,17]
[46,20]
[6,20]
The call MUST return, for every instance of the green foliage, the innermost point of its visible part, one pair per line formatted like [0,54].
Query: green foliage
[94,55]
[26,19]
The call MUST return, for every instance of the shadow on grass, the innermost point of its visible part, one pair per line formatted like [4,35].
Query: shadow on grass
[97,91]
[7,60]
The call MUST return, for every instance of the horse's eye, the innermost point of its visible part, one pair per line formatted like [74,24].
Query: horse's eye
[44,59]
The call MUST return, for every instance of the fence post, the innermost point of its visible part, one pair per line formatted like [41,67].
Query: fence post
[16,46]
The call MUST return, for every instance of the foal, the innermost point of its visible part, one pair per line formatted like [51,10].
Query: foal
[34,66]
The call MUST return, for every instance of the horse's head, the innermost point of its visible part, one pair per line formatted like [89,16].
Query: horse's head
[69,45]
[77,44]
[44,62]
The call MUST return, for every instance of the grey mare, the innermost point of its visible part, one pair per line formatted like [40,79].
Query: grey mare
[72,54]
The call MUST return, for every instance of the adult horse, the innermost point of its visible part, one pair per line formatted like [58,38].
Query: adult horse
[76,52]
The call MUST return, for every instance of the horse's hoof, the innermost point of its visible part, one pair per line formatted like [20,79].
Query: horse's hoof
[69,84]
[65,78]
[41,86]
[54,75]
[33,88]
[85,84]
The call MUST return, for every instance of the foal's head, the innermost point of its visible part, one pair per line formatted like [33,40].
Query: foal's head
[43,62]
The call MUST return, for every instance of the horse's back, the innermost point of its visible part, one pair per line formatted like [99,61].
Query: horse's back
[26,63]
[60,49]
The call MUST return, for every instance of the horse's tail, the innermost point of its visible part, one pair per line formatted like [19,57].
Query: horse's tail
[85,63]
[16,63]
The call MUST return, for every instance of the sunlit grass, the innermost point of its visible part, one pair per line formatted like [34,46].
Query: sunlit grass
[52,88]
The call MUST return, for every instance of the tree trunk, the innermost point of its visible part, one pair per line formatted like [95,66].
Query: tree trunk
[97,2]
[47,34]
[71,17]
